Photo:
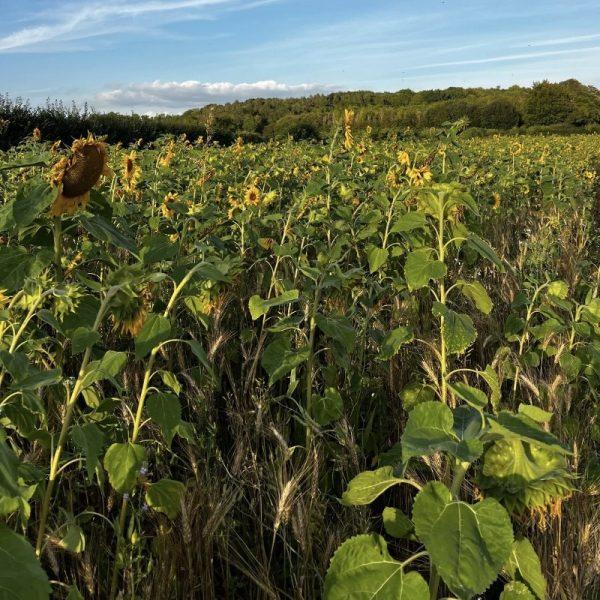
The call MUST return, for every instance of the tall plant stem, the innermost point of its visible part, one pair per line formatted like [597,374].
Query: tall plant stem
[64,430]
[57,231]
[434,576]
[22,327]
[311,359]
[137,423]
[442,300]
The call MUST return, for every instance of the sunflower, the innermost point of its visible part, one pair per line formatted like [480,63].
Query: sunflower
[419,175]
[348,121]
[497,200]
[168,199]
[130,309]
[131,172]
[76,175]
[166,158]
[403,158]
[252,196]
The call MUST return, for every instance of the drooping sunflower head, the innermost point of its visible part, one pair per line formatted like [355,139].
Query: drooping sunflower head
[497,200]
[130,308]
[131,172]
[167,157]
[168,200]
[348,121]
[403,158]
[76,175]
[419,176]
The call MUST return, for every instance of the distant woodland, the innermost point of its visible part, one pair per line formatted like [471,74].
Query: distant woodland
[565,107]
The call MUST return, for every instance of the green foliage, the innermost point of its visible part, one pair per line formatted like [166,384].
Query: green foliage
[20,573]
[363,568]
[236,331]
[122,463]
[467,543]
[165,496]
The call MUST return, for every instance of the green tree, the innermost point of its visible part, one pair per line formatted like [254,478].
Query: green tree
[548,104]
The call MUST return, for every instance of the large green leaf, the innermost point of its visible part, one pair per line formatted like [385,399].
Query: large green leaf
[157,248]
[524,560]
[468,543]
[83,338]
[13,495]
[103,230]
[396,523]
[524,476]
[409,221]
[472,396]
[122,463]
[485,250]
[520,427]
[393,341]
[17,263]
[337,328]
[90,440]
[458,329]
[278,359]
[156,330]
[109,366]
[31,200]
[328,407]
[165,496]
[377,257]
[515,590]
[259,307]
[477,294]
[428,430]
[21,576]
[366,486]
[363,569]
[420,267]
[165,410]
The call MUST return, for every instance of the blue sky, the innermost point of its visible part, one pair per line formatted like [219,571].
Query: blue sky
[170,55]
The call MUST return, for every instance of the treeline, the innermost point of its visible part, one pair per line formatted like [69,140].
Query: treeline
[566,106]
[563,107]
[57,121]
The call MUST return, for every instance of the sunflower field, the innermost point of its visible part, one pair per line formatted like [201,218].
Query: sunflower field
[358,369]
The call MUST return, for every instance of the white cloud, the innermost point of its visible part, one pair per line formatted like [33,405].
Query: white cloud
[174,96]
[507,57]
[559,41]
[69,21]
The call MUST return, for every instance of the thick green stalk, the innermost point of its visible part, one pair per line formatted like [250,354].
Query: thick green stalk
[137,423]
[442,300]
[22,327]
[311,359]
[64,430]
[57,230]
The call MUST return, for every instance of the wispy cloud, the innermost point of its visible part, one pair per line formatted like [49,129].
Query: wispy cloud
[174,96]
[70,22]
[505,58]
[574,39]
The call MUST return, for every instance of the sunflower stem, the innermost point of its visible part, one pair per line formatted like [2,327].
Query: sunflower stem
[64,430]
[137,425]
[57,229]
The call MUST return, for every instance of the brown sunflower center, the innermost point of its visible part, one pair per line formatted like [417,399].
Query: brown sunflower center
[84,170]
